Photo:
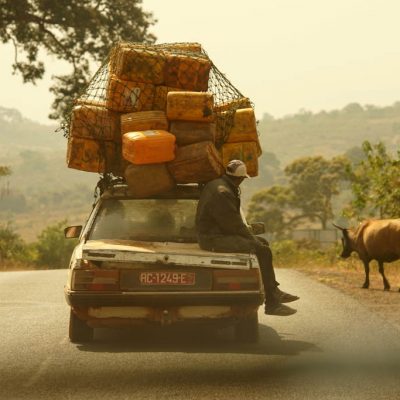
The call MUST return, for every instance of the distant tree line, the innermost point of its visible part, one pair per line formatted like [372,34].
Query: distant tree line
[370,175]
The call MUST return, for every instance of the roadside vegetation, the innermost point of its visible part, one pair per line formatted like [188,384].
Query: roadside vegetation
[50,251]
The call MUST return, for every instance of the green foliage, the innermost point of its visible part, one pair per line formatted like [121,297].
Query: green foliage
[289,254]
[312,184]
[375,184]
[269,173]
[271,207]
[53,249]
[75,31]
[12,247]
[4,170]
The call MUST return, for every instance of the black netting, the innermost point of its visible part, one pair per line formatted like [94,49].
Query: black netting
[137,77]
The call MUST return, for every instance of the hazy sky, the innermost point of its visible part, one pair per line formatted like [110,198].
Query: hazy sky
[284,54]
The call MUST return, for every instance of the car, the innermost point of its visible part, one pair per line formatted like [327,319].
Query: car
[138,262]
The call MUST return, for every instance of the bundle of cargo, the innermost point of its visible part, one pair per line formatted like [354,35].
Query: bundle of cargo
[160,115]
[242,140]
[94,146]
[191,116]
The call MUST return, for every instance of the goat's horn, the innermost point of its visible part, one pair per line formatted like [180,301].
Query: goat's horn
[339,227]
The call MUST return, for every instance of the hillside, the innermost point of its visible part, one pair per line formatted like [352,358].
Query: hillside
[329,133]
[42,190]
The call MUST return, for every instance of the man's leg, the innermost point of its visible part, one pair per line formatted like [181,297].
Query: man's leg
[264,256]
[273,296]
[239,244]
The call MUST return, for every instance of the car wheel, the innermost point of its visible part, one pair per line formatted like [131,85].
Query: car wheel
[79,331]
[246,330]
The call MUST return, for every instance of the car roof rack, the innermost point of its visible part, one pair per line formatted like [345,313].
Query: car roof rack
[110,186]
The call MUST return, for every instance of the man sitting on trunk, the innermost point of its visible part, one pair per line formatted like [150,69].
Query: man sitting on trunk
[220,228]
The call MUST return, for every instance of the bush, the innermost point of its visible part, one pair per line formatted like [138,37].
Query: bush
[12,248]
[289,253]
[53,250]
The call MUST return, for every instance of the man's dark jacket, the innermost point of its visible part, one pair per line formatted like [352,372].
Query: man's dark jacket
[219,224]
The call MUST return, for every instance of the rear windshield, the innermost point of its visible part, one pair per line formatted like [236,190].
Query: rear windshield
[146,220]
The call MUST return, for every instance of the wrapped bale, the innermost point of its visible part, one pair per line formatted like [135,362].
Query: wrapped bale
[93,122]
[198,162]
[187,71]
[148,180]
[188,132]
[144,121]
[235,104]
[244,128]
[190,106]
[138,64]
[160,96]
[126,96]
[190,47]
[248,152]
[94,155]
[148,147]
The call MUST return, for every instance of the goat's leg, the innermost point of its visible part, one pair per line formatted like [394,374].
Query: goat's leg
[366,267]
[382,272]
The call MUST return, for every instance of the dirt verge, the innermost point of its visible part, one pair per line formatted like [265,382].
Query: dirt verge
[350,279]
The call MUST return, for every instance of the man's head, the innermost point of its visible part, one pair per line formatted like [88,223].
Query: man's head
[237,171]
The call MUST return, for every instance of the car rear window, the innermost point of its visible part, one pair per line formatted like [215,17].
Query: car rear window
[146,220]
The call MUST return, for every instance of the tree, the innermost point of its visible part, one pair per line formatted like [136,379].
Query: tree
[375,184]
[79,32]
[312,184]
[12,247]
[53,249]
[4,170]
[271,206]
[314,181]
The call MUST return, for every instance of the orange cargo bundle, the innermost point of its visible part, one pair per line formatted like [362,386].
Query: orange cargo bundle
[160,96]
[188,132]
[94,122]
[138,64]
[143,121]
[235,104]
[126,96]
[93,155]
[190,106]
[148,180]
[187,72]
[244,128]
[196,163]
[148,147]
[190,47]
[248,152]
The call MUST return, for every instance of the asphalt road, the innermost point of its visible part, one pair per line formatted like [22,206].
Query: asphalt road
[333,348]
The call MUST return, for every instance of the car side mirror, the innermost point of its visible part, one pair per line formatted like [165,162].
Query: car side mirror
[257,228]
[72,231]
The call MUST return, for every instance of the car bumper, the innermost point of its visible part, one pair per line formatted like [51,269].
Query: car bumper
[162,299]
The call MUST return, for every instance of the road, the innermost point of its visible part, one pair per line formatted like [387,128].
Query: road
[333,348]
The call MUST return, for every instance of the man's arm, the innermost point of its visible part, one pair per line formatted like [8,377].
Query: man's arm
[228,218]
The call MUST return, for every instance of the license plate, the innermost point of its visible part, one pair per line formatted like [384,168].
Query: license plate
[167,278]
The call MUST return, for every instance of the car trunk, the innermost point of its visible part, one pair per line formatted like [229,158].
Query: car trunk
[168,254]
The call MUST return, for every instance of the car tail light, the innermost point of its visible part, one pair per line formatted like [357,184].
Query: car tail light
[86,264]
[236,280]
[95,279]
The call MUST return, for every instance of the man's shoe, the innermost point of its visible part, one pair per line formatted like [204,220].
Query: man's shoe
[279,309]
[283,297]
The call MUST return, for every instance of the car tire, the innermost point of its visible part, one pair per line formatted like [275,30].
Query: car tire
[79,331]
[246,330]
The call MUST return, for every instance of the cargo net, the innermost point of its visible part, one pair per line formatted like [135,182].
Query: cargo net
[137,77]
